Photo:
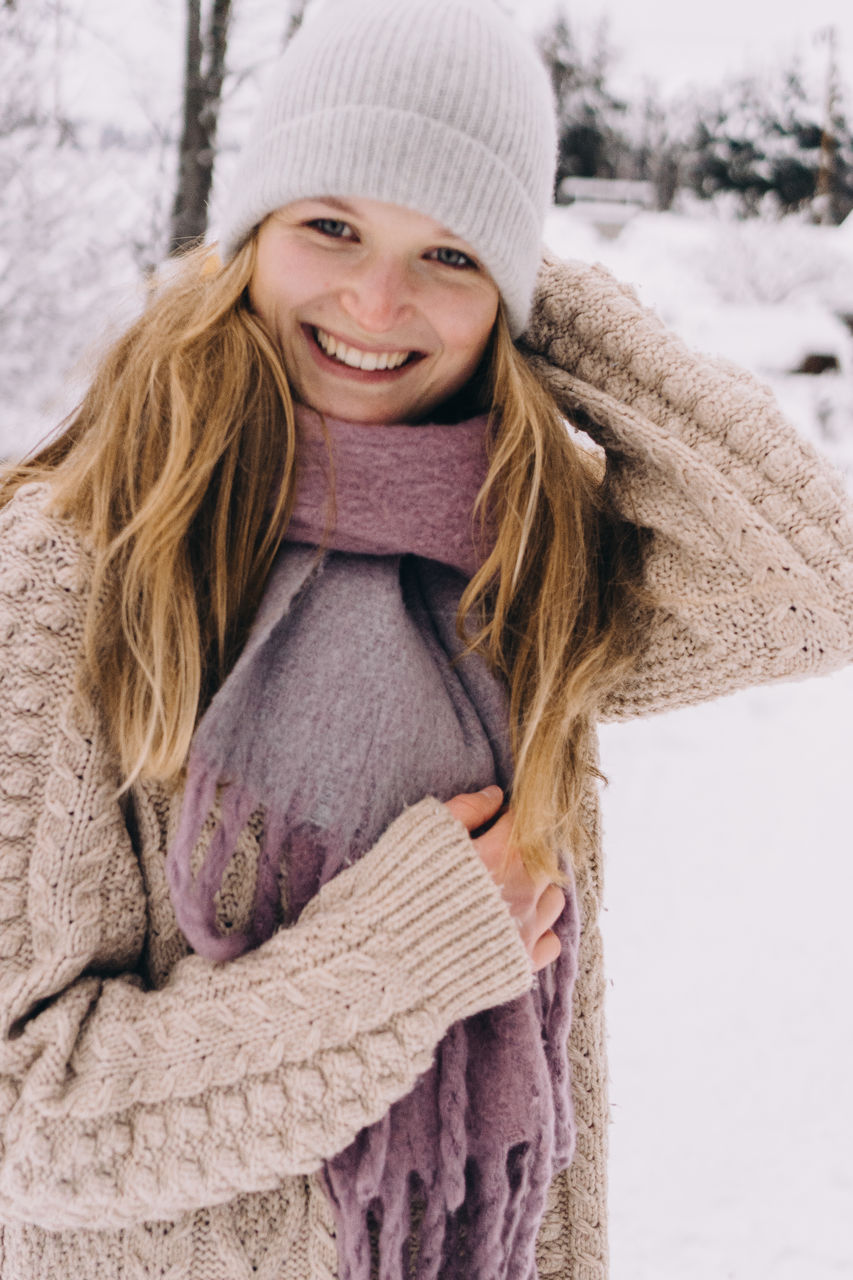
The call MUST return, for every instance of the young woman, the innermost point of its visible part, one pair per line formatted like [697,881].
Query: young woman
[305,623]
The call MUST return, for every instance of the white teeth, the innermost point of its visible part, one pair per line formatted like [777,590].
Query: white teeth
[356,359]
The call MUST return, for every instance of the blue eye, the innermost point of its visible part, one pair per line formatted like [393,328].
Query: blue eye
[454,258]
[332,227]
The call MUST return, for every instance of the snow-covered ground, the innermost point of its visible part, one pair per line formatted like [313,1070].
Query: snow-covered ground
[729,835]
[730,957]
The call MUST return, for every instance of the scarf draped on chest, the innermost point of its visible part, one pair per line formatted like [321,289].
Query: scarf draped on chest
[345,706]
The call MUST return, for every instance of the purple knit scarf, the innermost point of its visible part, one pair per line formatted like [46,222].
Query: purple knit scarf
[451,1183]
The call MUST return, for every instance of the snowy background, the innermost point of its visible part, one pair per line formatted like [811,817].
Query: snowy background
[728,827]
[729,837]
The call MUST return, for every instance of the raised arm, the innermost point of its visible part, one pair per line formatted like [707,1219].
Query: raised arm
[119,1103]
[749,549]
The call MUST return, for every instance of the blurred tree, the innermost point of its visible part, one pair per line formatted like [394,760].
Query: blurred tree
[204,74]
[294,22]
[835,174]
[656,147]
[763,140]
[80,216]
[206,52]
[726,151]
[589,118]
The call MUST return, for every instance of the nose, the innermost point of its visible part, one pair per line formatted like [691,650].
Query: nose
[376,294]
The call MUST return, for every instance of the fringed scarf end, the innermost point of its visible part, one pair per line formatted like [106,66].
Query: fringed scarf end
[194,896]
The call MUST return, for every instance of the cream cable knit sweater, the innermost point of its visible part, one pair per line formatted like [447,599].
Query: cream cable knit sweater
[160,1115]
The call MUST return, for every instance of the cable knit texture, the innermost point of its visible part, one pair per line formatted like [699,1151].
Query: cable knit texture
[161,1115]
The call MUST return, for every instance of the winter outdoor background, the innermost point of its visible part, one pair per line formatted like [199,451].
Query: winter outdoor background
[728,827]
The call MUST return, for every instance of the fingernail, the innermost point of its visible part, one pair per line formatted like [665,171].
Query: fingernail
[492,792]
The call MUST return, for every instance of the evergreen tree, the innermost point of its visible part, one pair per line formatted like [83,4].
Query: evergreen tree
[764,139]
[726,152]
[794,142]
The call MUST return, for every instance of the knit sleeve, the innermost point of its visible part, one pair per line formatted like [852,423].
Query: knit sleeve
[119,1103]
[748,534]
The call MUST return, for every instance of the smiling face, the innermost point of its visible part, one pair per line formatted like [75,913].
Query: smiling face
[381,314]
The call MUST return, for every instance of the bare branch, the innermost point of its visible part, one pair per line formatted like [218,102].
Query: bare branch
[297,13]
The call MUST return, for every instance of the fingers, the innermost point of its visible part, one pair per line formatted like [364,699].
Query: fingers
[532,900]
[545,951]
[495,850]
[542,944]
[550,906]
[475,808]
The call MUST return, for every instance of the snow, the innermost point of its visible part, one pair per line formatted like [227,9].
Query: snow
[729,952]
[761,292]
[764,294]
[727,829]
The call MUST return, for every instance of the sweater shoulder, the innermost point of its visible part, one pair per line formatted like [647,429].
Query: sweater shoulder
[45,577]
[45,568]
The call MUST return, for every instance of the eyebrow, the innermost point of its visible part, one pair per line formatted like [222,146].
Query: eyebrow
[342,206]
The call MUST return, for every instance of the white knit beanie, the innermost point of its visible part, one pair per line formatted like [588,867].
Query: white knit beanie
[442,106]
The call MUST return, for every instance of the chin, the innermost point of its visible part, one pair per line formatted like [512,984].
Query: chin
[347,412]
[351,408]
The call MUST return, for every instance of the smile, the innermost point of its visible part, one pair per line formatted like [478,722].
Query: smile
[356,358]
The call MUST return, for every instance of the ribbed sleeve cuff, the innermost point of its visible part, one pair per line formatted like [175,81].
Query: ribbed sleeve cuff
[445,916]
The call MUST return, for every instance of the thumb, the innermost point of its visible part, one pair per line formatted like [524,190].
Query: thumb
[473,809]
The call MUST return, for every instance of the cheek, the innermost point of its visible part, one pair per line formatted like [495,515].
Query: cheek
[469,329]
[272,299]
[279,285]
[263,290]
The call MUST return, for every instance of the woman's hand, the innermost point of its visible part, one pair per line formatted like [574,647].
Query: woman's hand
[534,902]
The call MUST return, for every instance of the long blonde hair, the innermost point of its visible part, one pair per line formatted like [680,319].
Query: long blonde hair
[165,471]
